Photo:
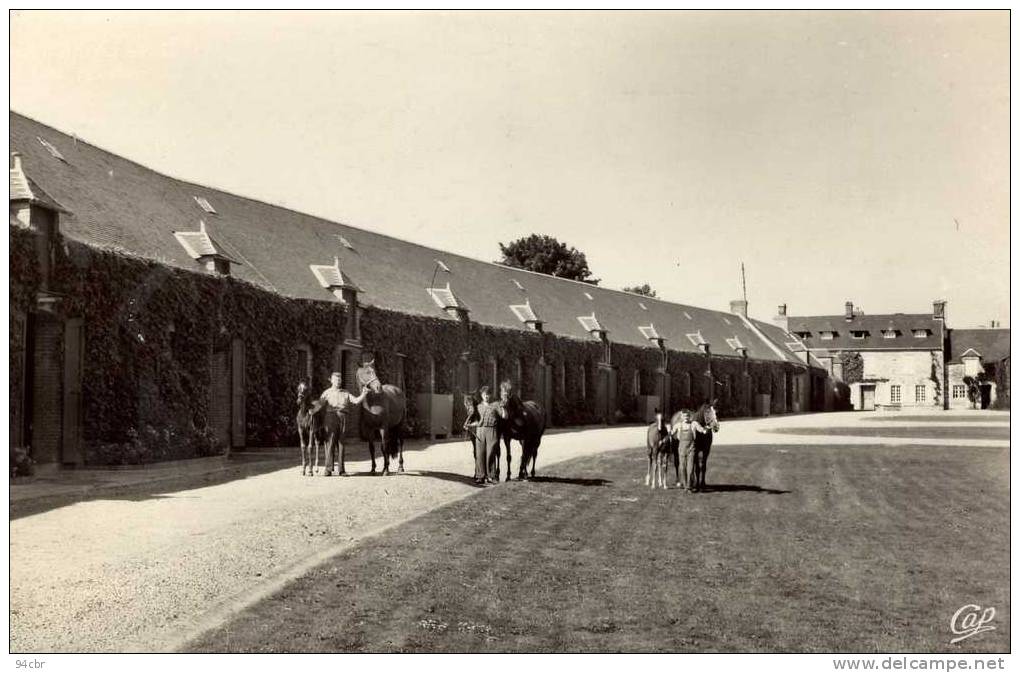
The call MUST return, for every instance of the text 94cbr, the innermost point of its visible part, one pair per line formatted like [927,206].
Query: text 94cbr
[28,663]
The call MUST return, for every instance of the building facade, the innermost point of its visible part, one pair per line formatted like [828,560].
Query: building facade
[154,319]
[900,360]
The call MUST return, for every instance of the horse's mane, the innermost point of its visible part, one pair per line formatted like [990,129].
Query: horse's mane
[701,414]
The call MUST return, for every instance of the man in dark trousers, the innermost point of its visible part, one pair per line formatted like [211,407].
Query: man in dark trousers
[340,403]
[487,437]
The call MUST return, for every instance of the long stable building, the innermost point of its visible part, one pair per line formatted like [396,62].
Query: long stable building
[148,310]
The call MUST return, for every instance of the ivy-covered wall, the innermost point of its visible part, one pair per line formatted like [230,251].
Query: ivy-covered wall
[150,331]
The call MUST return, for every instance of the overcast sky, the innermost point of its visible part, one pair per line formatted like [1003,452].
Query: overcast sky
[832,153]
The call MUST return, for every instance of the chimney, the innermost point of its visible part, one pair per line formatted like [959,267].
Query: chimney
[739,307]
[848,313]
[781,318]
[939,309]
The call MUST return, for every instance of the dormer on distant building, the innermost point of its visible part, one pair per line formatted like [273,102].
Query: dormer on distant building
[203,248]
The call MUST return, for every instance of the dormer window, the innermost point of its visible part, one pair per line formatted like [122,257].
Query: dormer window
[858,334]
[649,332]
[735,343]
[826,335]
[333,278]
[201,246]
[802,335]
[590,323]
[527,315]
[204,204]
[696,339]
[890,333]
[795,346]
[448,301]
[922,333]
[54,152]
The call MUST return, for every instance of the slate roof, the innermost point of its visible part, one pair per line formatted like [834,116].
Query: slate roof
[874,326]
[991,344]
[22,188]
[116,203]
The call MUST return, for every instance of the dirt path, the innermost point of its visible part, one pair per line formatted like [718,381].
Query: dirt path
[147,574]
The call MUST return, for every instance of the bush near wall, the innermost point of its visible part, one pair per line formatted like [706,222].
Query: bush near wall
[150,330]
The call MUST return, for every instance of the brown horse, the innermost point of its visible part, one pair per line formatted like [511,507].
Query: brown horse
[525,423]
[311,428]
[383,411]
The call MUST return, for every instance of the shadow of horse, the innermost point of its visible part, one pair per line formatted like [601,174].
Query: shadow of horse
[446,476]
[746,488]
[573,481]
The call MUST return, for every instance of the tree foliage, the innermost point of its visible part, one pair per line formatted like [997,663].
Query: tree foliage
[853,366]
[643,290]
[545,254]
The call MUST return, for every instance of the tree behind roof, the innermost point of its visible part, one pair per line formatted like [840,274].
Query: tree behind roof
[545,254]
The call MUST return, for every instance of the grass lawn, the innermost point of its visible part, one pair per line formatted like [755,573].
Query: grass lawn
[798,548]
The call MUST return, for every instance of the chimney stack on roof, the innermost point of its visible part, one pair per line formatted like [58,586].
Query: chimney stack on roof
[781,320]
[17,160]
[849,312]
[939,309]
[739,307]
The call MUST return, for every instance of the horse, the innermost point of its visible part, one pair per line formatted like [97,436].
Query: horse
[660,446]
[383,410]
[704,416]
[311,429]
[525,422]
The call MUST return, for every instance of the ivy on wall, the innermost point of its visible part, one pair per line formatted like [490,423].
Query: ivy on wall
[151,329]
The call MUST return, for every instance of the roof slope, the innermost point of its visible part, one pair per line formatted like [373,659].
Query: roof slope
[114,202]
[991,344]
[875,326]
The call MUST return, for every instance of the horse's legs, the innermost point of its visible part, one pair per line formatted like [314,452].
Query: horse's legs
[533,452]
[399,438]
[304,449]
[651,459]
[704,464]
[384,449]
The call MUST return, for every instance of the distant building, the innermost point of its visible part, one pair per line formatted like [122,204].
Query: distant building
[902,360]
[978,355]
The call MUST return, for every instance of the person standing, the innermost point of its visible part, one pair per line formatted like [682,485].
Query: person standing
[487,436]
[684,453]
[340,403]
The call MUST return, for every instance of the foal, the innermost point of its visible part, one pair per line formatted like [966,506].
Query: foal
[310,432]
[659,450]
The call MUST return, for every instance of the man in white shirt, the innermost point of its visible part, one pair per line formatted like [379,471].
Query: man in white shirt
[340,403]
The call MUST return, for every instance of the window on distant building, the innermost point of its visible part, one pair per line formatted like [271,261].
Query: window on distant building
[894,394]
[802,335]
[858,334]
[922,333]
[959,392]
[919,393]
[890,334]
[827,336]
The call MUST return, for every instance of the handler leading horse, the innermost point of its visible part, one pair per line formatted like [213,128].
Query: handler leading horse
[382,410]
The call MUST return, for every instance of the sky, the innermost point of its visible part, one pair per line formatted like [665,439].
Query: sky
[841,156]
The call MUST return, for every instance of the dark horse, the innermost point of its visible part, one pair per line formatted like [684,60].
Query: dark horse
[706,418]
[525,423]
[311,425]
[382,410]
[660,447]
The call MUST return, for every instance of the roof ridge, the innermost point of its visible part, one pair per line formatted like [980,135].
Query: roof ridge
[336,223]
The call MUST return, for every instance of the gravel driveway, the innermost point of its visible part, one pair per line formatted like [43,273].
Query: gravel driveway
[148,574]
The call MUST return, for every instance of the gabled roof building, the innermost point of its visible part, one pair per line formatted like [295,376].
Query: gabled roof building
[259,274]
